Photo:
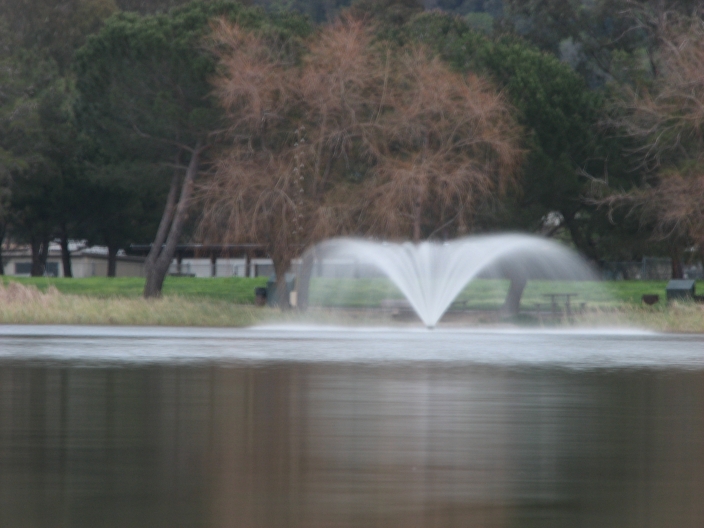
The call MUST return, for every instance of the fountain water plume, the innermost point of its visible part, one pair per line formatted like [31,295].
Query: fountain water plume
[431,274]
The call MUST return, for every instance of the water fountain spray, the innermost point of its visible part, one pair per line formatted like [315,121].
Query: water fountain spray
[431,274]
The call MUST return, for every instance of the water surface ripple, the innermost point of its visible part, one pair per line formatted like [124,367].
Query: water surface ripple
[298,427]
[571,348]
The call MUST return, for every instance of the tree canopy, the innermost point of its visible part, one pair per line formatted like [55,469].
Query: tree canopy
[145,98]
[351,136]
[665,119]
[134,103]
[560,114]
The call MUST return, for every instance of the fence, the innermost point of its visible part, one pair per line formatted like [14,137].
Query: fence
[649,268]
[258,267]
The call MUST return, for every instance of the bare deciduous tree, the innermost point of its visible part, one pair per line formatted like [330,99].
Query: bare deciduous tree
[445,143]
[352,137]
[667,118]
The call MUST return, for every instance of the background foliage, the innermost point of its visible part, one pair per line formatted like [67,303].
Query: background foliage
[96,95]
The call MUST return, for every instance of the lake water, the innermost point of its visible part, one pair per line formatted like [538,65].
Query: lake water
[333,427]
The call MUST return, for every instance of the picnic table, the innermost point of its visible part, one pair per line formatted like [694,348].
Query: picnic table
[556,299]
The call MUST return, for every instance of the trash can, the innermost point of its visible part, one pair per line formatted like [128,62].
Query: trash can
[680,290]
[650,298]
[271,293]
[260,296]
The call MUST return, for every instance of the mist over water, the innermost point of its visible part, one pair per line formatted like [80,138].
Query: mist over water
[298,427]
[431,274]
[83,347]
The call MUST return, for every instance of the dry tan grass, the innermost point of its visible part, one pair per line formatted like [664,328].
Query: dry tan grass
[676,317]
[21,304]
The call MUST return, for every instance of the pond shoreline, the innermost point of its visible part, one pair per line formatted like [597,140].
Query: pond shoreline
[25,304]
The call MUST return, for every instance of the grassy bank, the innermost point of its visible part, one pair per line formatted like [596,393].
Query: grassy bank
[237,290]
[21,304]
[677,317]
[229,302]
[480,294]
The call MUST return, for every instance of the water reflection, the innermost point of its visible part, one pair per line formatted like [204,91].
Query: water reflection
[322,444]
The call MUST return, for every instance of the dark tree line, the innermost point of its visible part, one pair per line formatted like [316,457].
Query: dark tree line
[107,116]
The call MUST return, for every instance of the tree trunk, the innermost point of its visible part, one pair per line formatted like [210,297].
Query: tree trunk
[677,271]
[44,254]
[303,279]
[166,219]
[65,255]
[40,253]
[2,239]
[159,259]
[112,260]
[281,266]
[35,245]
[512,304]
[416,221]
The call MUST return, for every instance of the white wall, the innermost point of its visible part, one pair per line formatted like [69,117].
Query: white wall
[81,266]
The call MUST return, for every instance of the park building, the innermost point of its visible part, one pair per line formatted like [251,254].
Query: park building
[248,260]
[85,262]
[93,262]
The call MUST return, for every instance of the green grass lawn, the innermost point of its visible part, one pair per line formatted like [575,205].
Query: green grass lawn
[489,294]
[480,294]
[238,290]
